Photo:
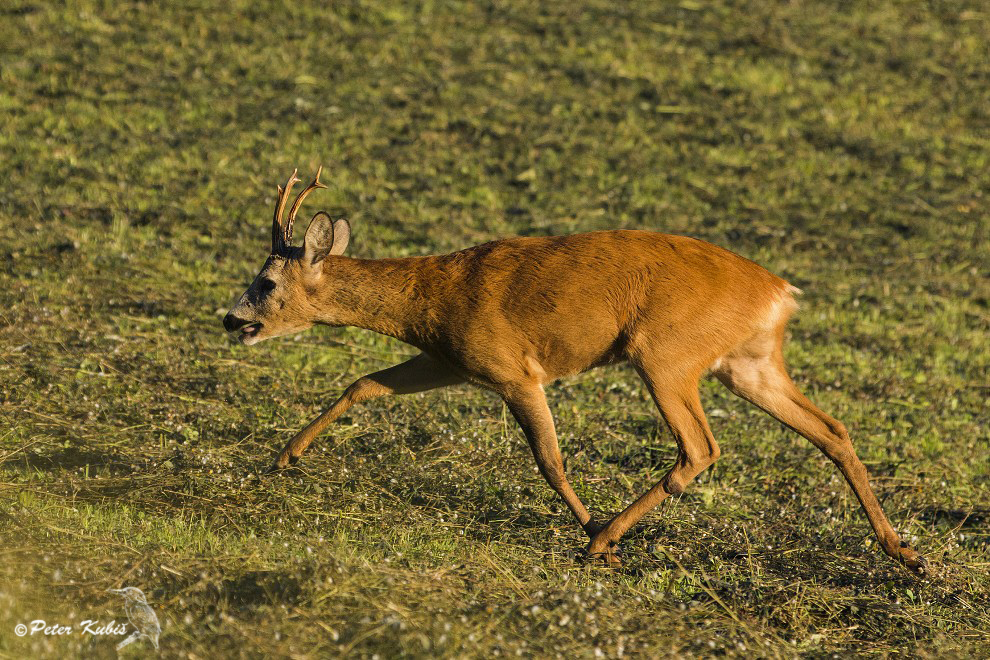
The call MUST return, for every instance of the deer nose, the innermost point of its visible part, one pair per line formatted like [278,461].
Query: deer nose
[231,322]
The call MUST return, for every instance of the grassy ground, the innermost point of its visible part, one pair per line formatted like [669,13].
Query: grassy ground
[844,145]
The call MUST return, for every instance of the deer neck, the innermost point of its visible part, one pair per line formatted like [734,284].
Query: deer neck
[387,296]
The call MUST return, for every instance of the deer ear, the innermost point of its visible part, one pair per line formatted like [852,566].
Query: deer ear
[325,236]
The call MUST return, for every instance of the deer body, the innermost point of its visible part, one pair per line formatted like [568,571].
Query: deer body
[516,314]
[543,308]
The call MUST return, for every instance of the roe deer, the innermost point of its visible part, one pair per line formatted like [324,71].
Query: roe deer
[513,315]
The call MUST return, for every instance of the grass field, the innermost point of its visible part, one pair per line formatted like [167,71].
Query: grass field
[844,145]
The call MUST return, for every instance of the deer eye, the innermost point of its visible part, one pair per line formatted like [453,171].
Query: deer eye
[266,286]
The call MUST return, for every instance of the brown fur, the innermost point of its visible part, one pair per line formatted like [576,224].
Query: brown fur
[516,314]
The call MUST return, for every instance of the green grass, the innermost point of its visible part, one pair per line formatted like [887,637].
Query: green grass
[843,145]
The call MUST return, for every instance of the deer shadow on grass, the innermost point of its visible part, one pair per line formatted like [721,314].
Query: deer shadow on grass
[71,458]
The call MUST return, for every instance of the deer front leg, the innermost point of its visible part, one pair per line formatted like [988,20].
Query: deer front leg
[529,407]
[419,374]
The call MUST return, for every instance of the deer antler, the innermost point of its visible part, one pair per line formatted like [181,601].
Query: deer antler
[298,203]
[279,241]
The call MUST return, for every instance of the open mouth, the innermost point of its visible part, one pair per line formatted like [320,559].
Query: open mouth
[251,330]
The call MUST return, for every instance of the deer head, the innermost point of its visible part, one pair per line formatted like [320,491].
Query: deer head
[279,300]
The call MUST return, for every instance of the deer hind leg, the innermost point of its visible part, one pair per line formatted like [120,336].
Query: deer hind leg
[680,407]
[756,372]
[419,374]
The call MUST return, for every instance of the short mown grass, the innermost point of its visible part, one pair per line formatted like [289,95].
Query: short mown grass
[843,145]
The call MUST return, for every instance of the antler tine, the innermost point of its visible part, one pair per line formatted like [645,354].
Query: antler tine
[278,232]
[298,203]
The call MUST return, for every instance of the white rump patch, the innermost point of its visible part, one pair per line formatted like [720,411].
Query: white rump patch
[781,308]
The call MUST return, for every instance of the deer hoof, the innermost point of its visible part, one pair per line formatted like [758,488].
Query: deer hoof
[916,564]
[610,556]
[284,461]
[911,560]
